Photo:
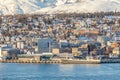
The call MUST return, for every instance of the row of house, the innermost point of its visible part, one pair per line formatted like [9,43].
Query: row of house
[44,33]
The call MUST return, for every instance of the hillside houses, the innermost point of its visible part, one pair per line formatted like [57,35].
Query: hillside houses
[23,32]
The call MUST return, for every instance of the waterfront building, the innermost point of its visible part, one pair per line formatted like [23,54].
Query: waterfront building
[36,48]
[56,51]
[46,44]
[116,51]
[76,52]
[66,55]
[63,43]
[7,52]
[29,57]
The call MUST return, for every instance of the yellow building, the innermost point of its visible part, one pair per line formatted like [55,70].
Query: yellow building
[75,52]
[49,29]
[55,51]
[116,51]
[84,45]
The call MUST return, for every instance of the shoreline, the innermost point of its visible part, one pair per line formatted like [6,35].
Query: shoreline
[104,61]
[40,62]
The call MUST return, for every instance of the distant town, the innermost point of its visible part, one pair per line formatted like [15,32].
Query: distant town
[52,37]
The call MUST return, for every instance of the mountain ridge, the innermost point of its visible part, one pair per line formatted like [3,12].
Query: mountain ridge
[57,6]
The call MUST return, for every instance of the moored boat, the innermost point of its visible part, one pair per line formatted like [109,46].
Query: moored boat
[81,61]
[75,61]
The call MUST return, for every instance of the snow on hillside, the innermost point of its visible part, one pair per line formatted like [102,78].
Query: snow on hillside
[53,6]
[84,6]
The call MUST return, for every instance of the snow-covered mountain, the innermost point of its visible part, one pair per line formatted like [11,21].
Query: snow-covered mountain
[53,6]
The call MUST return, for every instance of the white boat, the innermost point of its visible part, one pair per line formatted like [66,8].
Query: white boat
[81,61]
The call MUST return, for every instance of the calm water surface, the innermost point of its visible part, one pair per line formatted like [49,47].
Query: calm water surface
[59,72]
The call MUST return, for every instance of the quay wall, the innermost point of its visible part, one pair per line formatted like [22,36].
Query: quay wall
[115,60]
[103,61]
[34,61]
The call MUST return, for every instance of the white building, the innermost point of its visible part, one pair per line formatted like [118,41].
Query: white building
[20,44]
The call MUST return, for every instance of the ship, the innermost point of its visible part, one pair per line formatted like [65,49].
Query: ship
[81,61]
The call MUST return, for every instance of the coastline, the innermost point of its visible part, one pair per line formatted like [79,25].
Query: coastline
[103,61]
[34,61]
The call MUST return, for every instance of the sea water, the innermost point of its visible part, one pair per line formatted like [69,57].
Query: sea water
[10,71]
